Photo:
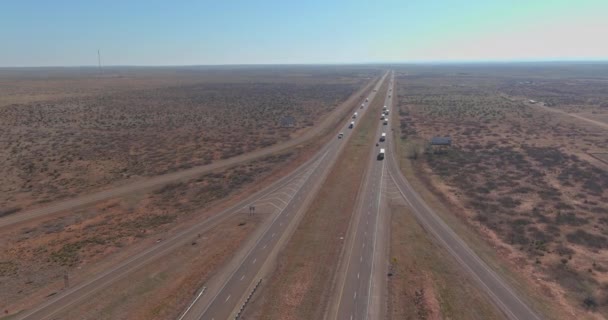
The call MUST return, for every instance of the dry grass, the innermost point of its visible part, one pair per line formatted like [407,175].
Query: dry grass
[146,122]
[162,290]
[37,255]
[518,176]
[300,286]
[426,283]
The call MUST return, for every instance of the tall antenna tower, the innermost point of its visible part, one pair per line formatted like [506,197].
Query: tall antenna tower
[99,61]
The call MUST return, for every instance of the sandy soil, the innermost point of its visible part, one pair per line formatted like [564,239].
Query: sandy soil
[517,175]
[301,284]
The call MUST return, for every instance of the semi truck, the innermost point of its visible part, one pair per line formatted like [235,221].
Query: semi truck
[381,154]
[383,137]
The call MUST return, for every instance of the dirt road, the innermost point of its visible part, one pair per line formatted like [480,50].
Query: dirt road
[228,292]
[328,122]
[279,195]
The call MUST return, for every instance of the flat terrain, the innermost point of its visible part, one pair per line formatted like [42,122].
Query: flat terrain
[425,282]
[67,134]
[82,242]
[522,177]
[301,284]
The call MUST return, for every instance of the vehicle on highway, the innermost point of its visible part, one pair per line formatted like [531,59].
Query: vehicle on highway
[382,117]
[340,135]
[385,122]
[355,115]
[351,125]
[381,154]
[384,108]
[367,99]
[383,137]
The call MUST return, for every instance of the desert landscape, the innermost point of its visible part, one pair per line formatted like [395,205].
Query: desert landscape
[531,182]
[97,132]
[161,122]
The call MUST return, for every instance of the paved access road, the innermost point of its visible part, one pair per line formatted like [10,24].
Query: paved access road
[148,183]
[359,291]
[226,294]
[278,196]
[504,297]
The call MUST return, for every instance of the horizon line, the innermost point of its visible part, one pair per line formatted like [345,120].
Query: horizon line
[410,62]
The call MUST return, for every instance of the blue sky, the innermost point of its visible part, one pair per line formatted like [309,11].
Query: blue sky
[68,33]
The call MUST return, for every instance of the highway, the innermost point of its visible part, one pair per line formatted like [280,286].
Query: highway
[226,294]
[359,292]
[284,197]
[327,123]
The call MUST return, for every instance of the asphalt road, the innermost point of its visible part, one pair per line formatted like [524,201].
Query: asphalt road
[328,122]
[283,195]
[503,296]
[359,293]
[227,293]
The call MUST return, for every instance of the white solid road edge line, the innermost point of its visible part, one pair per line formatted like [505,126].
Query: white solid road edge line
[191,304]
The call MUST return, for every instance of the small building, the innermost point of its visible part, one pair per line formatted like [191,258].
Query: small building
[439,144]
[441,141]
[287,122]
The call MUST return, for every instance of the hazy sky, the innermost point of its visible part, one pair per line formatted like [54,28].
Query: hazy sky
[187,32]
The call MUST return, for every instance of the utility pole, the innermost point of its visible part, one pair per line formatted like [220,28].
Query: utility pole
[99,60]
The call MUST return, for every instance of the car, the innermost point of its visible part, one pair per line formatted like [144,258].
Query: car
[340,135]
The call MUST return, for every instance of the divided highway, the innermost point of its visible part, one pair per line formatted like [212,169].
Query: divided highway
[284,196]
[359,290]
[226,294]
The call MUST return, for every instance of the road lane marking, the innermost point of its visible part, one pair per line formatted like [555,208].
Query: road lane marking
[361,258]
[254,260]
[355,295]
[357,275]
[243,277]
[264,247]
[272,236]
[228,298]
[193,302]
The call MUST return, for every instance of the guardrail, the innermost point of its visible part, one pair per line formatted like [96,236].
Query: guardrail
[238,314]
